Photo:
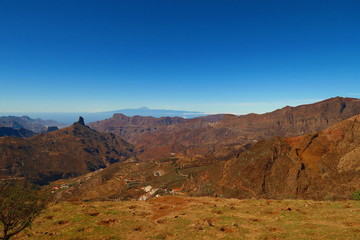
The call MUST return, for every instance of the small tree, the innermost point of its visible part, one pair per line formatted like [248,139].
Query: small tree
[19,206]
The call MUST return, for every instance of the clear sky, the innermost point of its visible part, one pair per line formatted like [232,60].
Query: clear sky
[234,56]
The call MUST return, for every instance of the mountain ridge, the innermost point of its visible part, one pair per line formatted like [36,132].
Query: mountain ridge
[223,136]
[317,165]
[63,153]
[320,165]
[37,125]
[14,132]
[68,118]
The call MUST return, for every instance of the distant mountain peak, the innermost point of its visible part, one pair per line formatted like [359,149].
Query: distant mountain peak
[35,125]
[145,111]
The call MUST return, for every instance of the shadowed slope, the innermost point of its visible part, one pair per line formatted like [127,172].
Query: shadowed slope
[68,152]
[12,132]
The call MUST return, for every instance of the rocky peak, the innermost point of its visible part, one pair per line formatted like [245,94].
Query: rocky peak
[81,121]
[120,116]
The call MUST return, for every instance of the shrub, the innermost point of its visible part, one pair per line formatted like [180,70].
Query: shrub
[356,195]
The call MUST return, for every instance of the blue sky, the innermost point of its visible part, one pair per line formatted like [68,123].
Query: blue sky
[234,56]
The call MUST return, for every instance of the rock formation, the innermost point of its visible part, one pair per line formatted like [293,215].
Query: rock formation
[81,121]
[68,152]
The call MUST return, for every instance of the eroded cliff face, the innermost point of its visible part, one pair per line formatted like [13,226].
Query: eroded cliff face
[224,136]
[63,153]
[321,165]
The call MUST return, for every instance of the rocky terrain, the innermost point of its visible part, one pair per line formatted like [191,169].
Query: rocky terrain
[35,125]
[320,165]
[13,132]
[222,155]
[68,152]
[224,136]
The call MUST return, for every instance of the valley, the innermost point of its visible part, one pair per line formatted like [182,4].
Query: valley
[176,120]
[308,152]
[233,177]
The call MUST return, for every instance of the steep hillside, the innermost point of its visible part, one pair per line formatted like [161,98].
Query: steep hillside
[320,165]
[68,152]
[12,132]
[131,128]
[224,136]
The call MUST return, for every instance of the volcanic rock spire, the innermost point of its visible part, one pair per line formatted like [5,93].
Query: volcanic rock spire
[81,121]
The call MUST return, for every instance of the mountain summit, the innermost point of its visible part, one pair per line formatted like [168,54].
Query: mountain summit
[144,108]
[67,152]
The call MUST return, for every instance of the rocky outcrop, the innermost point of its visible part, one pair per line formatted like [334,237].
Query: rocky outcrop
[81,121]
[68,152]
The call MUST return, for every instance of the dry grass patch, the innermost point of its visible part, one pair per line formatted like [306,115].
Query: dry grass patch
[198,218]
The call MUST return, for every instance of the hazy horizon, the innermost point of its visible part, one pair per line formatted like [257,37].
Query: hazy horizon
[146,108]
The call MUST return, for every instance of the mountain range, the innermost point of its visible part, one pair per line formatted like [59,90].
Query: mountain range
[68,118]
[308,151]
[319,165]
[223,136]
[35,125]
[68,152]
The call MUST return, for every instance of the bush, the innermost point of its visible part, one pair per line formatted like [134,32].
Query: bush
[356,195]
[19,206]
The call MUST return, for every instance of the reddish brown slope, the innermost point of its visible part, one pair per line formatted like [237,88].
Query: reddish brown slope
[63,153]
[224,136]
[133,128]
[323,165]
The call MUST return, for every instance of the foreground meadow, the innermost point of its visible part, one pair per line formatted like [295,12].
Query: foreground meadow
[173,217]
